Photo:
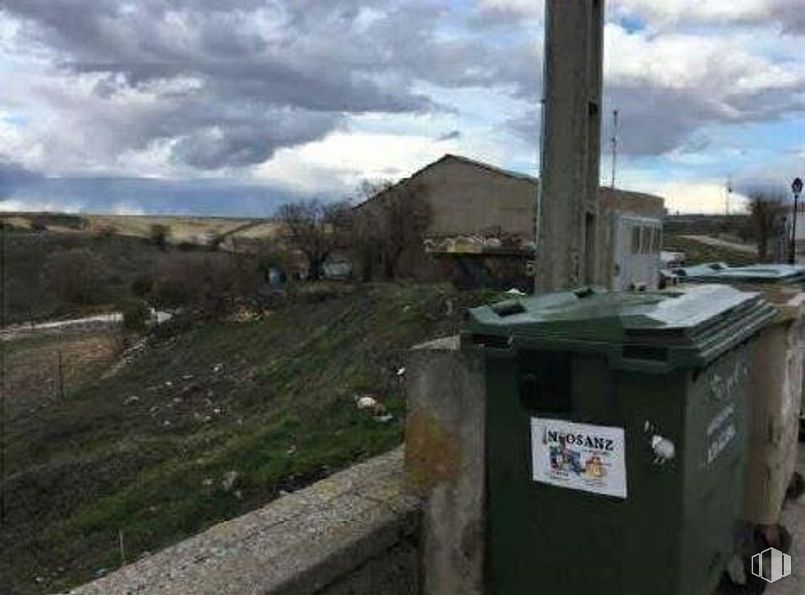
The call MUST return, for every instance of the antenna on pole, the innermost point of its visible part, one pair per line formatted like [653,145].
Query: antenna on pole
[728,196]
[614,142]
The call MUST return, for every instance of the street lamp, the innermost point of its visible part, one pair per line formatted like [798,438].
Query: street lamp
[796,188]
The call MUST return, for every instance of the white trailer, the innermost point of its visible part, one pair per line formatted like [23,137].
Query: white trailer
[636,243]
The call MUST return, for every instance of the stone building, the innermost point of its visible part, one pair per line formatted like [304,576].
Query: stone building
[481,224]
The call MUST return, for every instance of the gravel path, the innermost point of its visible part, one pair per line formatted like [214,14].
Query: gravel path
[87,323]
[711,241]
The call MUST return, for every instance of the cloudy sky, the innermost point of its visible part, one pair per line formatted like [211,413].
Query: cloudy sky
[234,106]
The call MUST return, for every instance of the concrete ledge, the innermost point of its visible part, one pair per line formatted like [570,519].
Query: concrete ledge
[444,462]
[355,532]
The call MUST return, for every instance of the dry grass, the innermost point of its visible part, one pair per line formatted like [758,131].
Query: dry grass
[31,367]
[697,252]
[182,229]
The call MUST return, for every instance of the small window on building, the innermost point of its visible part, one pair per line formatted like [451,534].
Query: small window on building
[636,240]
[648,239]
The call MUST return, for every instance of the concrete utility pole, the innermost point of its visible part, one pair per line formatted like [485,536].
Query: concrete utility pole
[567,205]
[614,147]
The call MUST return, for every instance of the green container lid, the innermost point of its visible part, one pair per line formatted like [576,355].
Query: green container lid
[781,274]
[652,331]
[701,270]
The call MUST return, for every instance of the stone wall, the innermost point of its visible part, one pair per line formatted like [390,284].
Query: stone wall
[355,533]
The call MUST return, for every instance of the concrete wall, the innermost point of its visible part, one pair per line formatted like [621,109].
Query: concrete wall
[444,462]
[356,533]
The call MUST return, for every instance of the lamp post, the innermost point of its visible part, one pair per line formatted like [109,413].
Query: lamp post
[796,189]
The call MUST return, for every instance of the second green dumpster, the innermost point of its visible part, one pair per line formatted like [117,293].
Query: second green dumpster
[616,438]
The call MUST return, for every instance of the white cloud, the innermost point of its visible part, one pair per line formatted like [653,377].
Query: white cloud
[665,13]
[719,66]
[36,205]
[341,160]
[512,8]
[124,208]
[707,197]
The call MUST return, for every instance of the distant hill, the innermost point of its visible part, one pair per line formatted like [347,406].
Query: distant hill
[182,229]
[121,241]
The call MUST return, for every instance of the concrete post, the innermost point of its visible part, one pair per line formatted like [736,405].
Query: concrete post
[444,463]
[567,209]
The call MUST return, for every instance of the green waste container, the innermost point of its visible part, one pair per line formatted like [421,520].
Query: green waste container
[616,437]
[776,413]
[768,274]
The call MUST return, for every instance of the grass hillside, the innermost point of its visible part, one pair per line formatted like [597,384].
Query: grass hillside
[205,425]
[698,252]
[24,255]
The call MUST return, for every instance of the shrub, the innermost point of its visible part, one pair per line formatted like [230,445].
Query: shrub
[136,315]
[159,235]
[75,276]
[104,232]
[142,285]
[38,225]
[207,282]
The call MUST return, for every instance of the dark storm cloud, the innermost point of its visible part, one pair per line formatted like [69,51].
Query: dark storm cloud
[650,122]
[236,80]
[14,176]
[657,120]
[246,63]
[790,14]
[239,144]
[159,197]
[452,135]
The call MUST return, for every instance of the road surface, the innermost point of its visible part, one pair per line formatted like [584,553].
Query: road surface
[17,331]
[711,241]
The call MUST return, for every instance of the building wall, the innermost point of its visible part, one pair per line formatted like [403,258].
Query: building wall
[468,198]
[634,203]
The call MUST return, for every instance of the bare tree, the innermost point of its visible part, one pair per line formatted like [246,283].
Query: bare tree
[316,229]
[209,283]
[393,221]
[406,215]
[367,240]
[765,204]
[75,276]
[159,235]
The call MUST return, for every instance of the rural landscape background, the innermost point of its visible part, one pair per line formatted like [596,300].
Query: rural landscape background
[119,440]
[198,316]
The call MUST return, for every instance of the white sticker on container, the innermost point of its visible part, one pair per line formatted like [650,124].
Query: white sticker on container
[579,456]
